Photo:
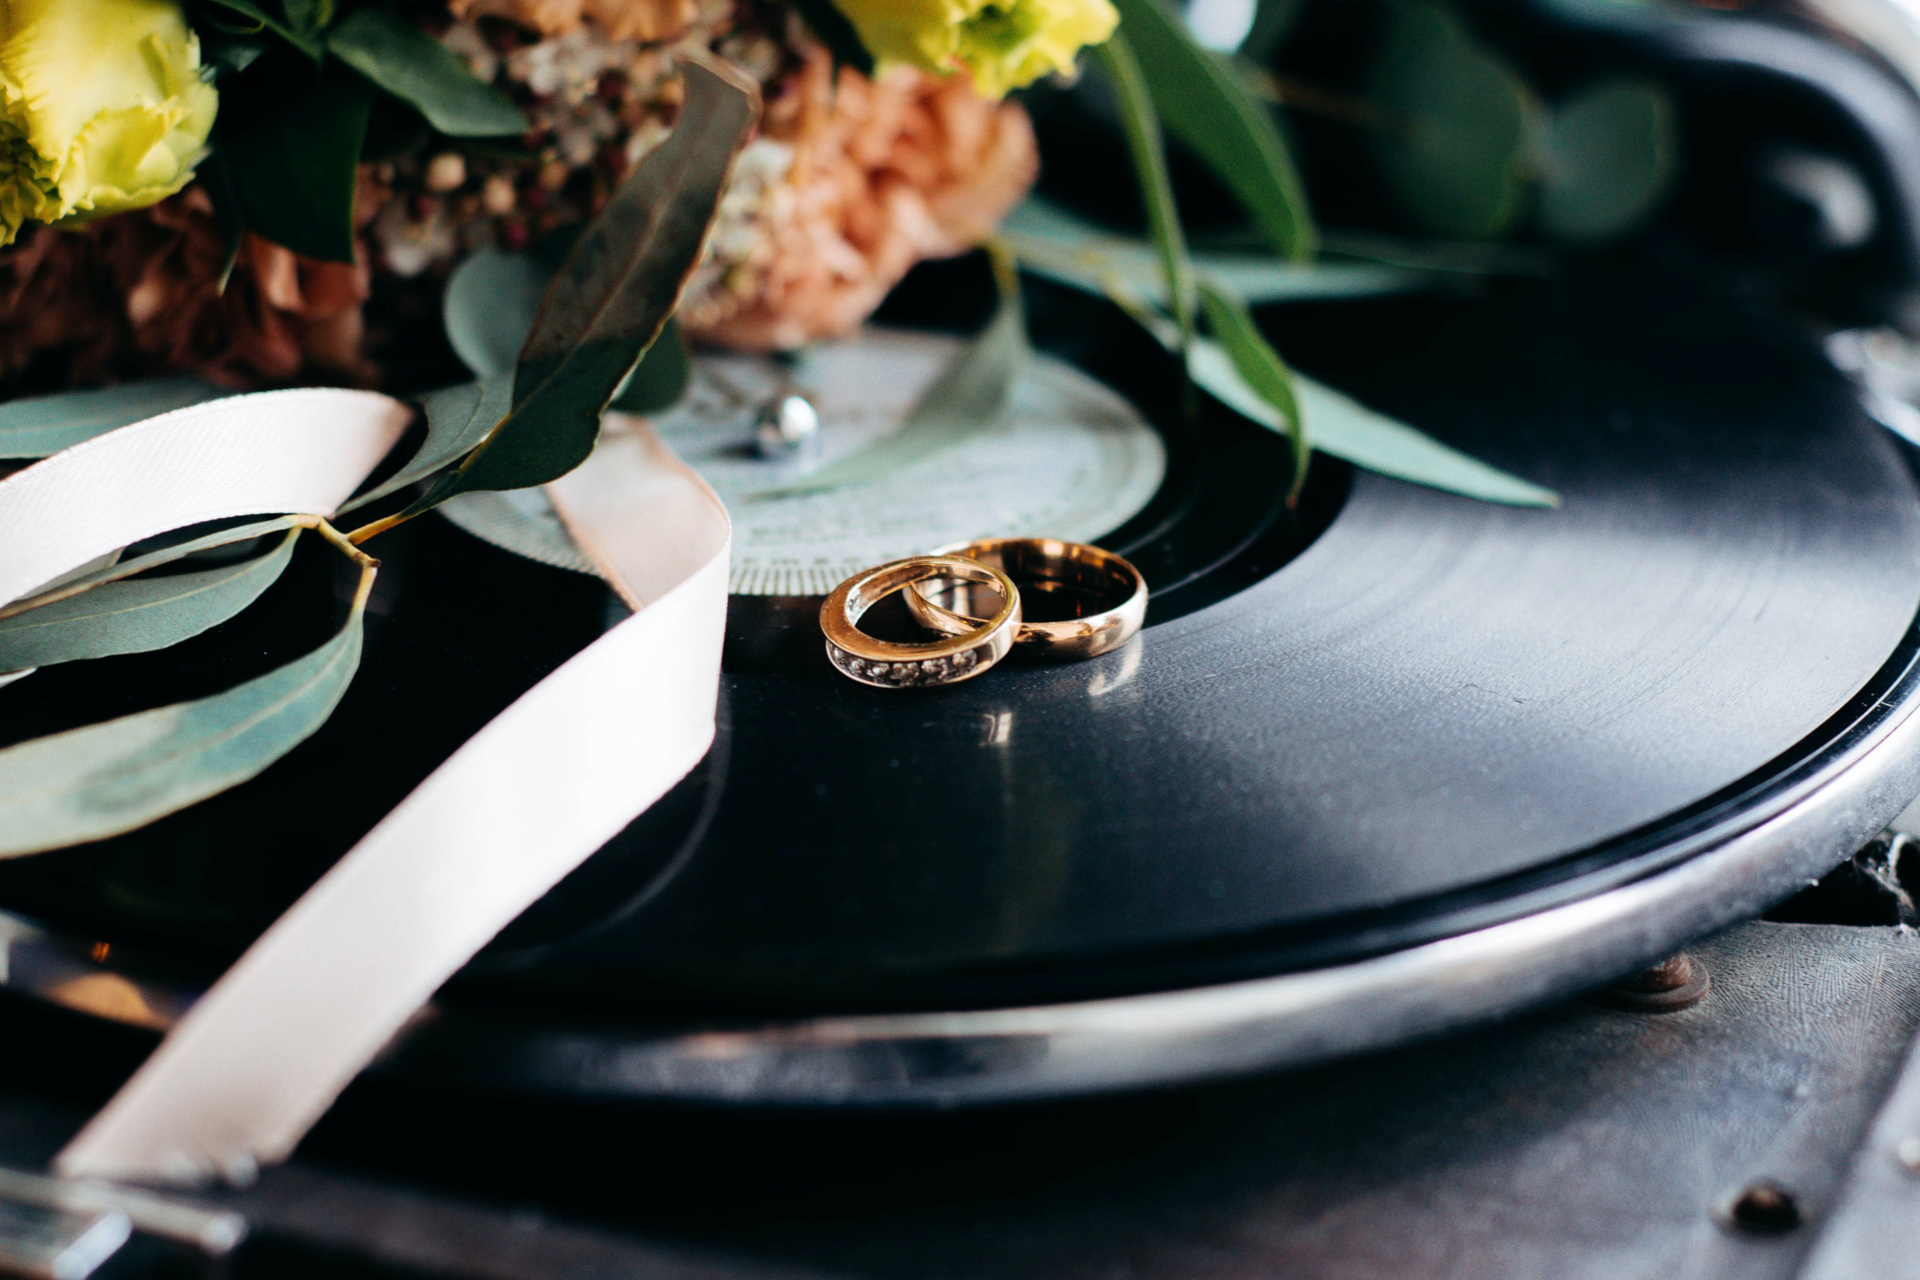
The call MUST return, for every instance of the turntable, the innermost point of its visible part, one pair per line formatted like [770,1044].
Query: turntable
[1382,764]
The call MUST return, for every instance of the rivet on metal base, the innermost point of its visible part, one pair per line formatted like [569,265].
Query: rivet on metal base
[1676,983]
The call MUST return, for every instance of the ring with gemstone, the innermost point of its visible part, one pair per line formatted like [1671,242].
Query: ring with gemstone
[958,655]
[1068,576]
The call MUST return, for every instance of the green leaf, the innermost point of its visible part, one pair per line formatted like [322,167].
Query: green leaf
[101,780]
[1457,162]
[1273,22]
[1608,154]
[112,569]
[411,65]
[968,397]
[614,293]
[44,425]
[308,16]
[1206,105]
[1262,369]
[489,306]
[229,55]
[1347,429]
[253,18]
[138,615]
[1446,257]
[661,378]
[1150,170]
[296,171]
[1054,243]
[458,419]
[1339,426]
[523,521]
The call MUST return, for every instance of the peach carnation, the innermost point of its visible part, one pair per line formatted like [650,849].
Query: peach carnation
[880,173]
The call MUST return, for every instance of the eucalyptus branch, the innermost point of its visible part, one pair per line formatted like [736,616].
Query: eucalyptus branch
[343,542]
[377,527]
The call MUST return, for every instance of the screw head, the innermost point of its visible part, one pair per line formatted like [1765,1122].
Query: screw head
[1762,1207]
[1676,983]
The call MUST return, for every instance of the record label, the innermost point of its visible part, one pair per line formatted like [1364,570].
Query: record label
[1071,460]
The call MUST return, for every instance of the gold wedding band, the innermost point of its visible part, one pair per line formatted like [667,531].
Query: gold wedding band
[965,651]
[1048,565]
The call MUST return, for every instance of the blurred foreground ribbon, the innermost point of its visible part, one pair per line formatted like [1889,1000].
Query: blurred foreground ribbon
[258,1058]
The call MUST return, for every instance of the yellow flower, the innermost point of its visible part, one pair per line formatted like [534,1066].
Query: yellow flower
[1003,43]
[103,107]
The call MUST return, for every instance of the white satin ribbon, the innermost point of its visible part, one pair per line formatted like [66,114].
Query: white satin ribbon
[257,1059]
[274,453]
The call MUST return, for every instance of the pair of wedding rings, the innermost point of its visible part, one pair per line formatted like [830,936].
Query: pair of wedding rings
[940,591]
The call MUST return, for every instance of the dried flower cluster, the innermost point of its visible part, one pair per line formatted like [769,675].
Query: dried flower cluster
[140,294]
[850,182]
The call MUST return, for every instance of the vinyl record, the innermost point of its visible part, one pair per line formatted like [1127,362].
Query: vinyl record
[1384,763]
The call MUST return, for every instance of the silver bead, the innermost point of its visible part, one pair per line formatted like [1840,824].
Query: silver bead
[787,427]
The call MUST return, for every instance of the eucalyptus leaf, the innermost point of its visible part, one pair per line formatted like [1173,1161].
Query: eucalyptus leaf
[92,569]
[661,379]
[1348,429]
[1204,103]
[523,521]
[1054,243]
[970,396]
[296,170]
[411,65]
[308,16]
[138,615]
[1273,22]
[1608,154]
[1142,127]
[1262,369]
[614,293]
[114,569]
[489,306]
[1448,257]
[1456,158]
[1339,426]
[458,419]
[103,779]
[43,425]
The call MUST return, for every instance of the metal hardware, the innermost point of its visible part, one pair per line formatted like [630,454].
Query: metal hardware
[1676,983]
[1761,1208]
